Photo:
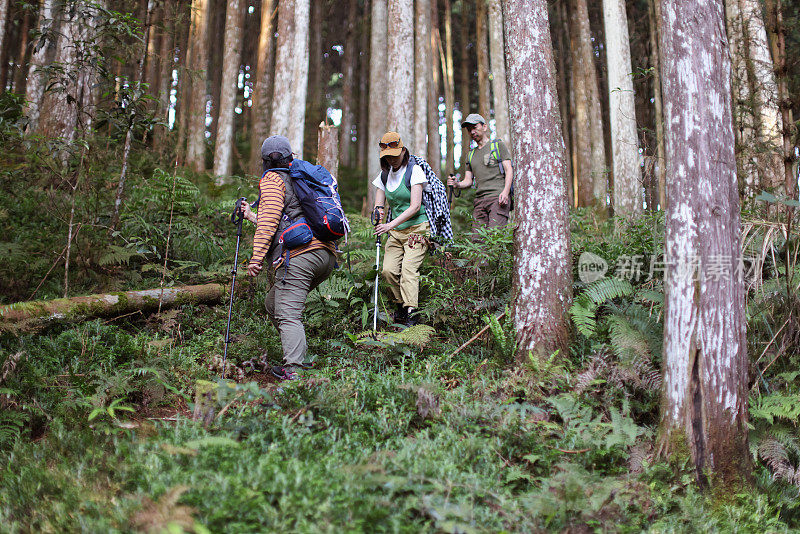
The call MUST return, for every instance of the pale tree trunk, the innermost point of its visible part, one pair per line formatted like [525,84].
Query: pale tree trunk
[36,82]
[362,125]
[5,42]
[400,47]
[223,152]
[422,63]
[542,274]
[377,91]
[498,64]
[482,51]
[588,132]
[328,148]
[743,115]
[24,52]
[466,78]
[624,138]
[769,123]
[291,73]
[655,62]
[167,62]
[434,139]
[777,32]
[197,61]
[449,88]
[348,84]
[262,84]
[704,403]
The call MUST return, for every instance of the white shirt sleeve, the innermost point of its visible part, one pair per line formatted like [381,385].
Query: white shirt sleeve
[377,182]
[418,176]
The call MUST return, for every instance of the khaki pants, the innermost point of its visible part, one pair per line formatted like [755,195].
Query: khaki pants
[489,212]
[287,298]
[401,264]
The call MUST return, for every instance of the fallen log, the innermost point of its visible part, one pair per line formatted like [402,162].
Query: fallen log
[24,315]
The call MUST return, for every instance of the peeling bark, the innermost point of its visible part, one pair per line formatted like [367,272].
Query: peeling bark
[36,82]
[498,65]
[400,47]
[422,75]
[624,138]
[434,139]
[197,62]
[542,262]
[223,150]
[328,148]
[348,84]
[262,84]
[449,88]
[705,350]
[482,51]
[378,93]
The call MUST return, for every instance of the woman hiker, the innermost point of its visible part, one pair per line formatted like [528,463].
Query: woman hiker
[408,230]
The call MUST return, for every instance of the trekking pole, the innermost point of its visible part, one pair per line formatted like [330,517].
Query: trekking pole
[236,218]
[452,191]
[375,218]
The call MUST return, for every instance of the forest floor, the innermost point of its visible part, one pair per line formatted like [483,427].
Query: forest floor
[386,433]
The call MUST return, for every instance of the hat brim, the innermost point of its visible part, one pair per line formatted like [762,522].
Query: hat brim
[391,152]
[465,123]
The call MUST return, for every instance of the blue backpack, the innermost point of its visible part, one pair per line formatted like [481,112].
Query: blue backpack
[319,199]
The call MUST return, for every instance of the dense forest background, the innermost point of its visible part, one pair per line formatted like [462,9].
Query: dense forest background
[129,128]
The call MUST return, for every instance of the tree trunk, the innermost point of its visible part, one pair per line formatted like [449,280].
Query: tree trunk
[348,84]
[362,125]
[40,312]
[542,274]
[434,138]
[262,84]
[167,63]
[328,148]
[777,31]
[466,79]
[661,162]
[562,70]
[36,82]
[498,64]
[154,34]
[291,73]
[24,53]
[400,77]
[215,45]
[482,51]
[449,88]
[223,153]
[422,63]
[377,91]
[5,42]
[588,132]
[197,61]
[704,404]
[624,138]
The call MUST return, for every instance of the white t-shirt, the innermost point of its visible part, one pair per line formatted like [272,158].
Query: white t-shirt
[395,177]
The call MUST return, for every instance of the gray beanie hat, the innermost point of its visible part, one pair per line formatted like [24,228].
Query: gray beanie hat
[276,143]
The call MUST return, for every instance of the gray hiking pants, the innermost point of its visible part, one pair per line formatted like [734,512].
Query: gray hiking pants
[287,298]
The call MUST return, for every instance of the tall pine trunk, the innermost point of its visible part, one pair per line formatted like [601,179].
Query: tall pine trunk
[36,79]
[704,403]
[624,138]
[654,9]
[498,64]
[223,152]
[482,51]
[542,274]
[197,60]
[378,93]
[434,139]
[588,127]
[348,84]
[400,47]
[422,64]
[449,88]
[291,73]
[262,84]
[466,82]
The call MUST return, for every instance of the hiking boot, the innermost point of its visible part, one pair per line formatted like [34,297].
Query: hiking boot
[400,316]
[411,317]
[287,372]
[305,365]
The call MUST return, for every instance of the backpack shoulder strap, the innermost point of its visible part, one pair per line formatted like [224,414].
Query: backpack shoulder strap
[384,177]
[409,171]
[469,158]
[495,149]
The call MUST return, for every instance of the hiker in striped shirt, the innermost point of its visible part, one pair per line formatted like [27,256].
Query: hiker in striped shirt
[298,270]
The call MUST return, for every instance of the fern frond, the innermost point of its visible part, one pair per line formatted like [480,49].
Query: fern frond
[606,289]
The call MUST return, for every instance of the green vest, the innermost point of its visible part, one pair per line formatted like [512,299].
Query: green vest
[400,201]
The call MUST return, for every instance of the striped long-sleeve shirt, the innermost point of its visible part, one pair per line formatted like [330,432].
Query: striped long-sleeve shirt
[270,209]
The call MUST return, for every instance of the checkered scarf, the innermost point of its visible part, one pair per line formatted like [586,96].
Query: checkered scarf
[436,206]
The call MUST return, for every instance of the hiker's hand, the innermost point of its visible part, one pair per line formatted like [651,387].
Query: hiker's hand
[253,269]
[452,182]
[503,199]
[383,228]
[247,213]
